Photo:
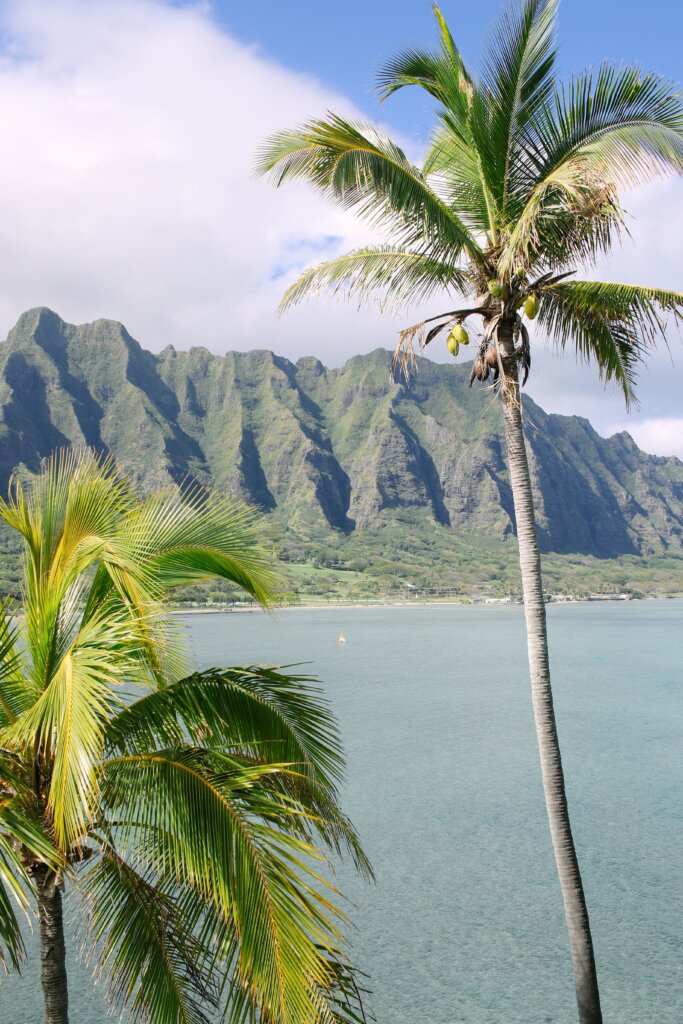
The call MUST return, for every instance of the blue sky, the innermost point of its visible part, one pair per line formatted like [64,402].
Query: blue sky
[133,127]
[343,43]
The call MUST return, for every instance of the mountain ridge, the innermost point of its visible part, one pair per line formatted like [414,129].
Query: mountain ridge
[328,450]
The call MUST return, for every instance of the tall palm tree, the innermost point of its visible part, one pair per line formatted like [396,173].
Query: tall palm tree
[184,813]
[518,191]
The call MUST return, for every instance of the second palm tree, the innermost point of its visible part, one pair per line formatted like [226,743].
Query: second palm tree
[518,192]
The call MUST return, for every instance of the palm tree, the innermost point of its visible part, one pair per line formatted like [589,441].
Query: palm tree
[518,191]
[185,813]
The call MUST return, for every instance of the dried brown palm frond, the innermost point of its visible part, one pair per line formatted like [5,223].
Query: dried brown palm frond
[404,361]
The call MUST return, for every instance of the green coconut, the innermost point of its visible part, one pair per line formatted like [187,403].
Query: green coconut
[452,344]
[495,288]
[531,306]
[460,335]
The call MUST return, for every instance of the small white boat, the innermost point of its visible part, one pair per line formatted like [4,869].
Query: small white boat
[341,639]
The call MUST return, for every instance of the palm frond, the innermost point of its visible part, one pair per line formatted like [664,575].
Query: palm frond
[395,276]
[341,1002]
[171,539]
[263,714]
[20,831]
[13,896]
[612,324]
[204,818]
[97,500]
[453,165]
[74,503]
[239,707]
[453,168]
[155,965]
[518,78]
[442,74]
[359,167]
[625,124]
[15,696]
[616,128]
[168,955]
[65,726]
[571,218]
[125,583]
[183,537]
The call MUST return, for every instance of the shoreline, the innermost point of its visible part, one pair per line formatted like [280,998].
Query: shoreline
[227,609]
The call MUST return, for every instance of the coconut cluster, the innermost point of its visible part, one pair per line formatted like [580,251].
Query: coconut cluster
[513,295]
[457,337]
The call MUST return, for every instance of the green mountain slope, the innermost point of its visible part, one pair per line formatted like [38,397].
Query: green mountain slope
[342,460]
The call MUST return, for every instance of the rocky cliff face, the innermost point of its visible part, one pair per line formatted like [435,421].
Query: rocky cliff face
[327,448]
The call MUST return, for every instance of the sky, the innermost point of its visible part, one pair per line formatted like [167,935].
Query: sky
[130,129]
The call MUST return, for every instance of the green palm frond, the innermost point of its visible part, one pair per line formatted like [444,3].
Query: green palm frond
[235,709]
[517,80]
[67,516]
[171,539]
[203,818]
[125,584]
[169,956]
[359,167]
[627,122]
[97,501]
[65,726]
[394,276]
[442,74]
[618,128]
[156,966]
[73,504]
[20,831]
[190,535]
[612,324]
[14,698]
[341,1002]
[571,219]
[453,168]
[13,896]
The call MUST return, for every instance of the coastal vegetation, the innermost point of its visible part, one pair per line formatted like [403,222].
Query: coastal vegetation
[185,816]
[517,196]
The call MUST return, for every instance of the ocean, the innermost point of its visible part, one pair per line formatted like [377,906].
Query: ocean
[464,922]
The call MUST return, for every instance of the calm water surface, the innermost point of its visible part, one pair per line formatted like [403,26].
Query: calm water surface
[465,920]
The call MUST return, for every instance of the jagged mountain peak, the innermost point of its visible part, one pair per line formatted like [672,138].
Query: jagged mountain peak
[318,448]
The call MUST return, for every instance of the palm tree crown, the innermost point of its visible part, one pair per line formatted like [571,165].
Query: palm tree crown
[519,190]
[185,813]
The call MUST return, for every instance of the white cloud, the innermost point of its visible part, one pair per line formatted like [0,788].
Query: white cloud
[130,130]
[126,190]
[651,256]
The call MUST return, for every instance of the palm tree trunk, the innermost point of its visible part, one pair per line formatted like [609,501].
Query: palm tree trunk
[576,912]
[52,949]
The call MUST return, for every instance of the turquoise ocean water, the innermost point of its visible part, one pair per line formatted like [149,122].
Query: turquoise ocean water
[465,920]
